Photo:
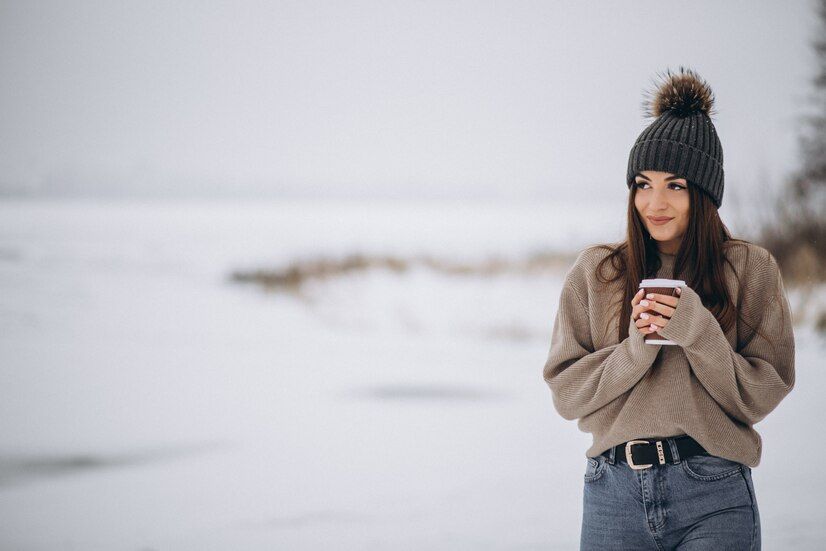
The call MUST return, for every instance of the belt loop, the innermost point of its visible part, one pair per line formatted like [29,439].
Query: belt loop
[612,457]
[675,453]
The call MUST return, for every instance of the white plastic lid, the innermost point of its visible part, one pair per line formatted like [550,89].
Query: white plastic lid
[661,282]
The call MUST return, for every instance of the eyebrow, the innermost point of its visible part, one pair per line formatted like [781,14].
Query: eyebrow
[672,177]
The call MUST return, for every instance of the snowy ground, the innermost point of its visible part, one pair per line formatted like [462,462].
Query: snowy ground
[149,403]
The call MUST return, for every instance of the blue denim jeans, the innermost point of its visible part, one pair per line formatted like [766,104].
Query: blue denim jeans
[701,502]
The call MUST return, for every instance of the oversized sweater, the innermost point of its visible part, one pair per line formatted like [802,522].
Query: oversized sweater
[713,386]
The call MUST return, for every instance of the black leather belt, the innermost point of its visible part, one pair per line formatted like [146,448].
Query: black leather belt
[642,454]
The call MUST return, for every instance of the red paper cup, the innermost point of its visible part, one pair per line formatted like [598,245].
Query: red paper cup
[662,287]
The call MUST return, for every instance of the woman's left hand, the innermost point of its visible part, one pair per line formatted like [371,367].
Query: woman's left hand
[664,305]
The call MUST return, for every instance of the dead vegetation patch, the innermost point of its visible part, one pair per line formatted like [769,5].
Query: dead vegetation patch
[290,278]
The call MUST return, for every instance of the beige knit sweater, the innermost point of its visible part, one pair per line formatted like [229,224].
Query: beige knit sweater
[712,386]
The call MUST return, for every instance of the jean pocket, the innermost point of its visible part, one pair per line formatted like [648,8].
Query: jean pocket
[710,467]
[594,468]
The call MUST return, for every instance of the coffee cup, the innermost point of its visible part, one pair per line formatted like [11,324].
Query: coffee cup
[661,287]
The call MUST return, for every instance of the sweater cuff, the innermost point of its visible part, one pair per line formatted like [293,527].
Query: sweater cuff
[641,354]
[690,320]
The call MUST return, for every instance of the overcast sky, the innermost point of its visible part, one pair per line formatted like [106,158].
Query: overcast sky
[506,100]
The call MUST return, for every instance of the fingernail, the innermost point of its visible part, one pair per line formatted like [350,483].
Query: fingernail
[653,327]
[649,295]
[644,316]
[644,302]
[679,291]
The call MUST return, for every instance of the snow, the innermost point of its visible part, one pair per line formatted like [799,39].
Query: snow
[149,402]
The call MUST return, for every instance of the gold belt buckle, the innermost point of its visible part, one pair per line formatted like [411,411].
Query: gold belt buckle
[630,459]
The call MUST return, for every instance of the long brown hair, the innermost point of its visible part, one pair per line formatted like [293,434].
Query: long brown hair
[702,248]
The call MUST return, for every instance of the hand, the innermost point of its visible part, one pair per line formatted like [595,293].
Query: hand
[644,309]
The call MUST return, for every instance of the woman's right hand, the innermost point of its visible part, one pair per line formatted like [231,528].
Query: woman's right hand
[643,325]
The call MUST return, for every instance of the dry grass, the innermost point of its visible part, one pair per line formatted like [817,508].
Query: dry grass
[792,226]
[292,277]
[795,233]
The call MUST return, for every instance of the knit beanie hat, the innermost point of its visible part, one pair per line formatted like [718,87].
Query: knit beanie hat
[682,139]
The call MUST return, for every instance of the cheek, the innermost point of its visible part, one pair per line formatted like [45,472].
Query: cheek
[685,208]
[681,206]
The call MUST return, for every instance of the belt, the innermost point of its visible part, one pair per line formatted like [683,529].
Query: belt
[642,454]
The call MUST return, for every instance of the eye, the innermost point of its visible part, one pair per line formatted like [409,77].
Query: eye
[639,185]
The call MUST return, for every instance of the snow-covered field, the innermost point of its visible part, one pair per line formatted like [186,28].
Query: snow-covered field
[150,403]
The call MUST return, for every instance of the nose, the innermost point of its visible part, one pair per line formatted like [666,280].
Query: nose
[658,199]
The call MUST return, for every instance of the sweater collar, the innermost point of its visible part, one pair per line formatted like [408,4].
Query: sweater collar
[667,267]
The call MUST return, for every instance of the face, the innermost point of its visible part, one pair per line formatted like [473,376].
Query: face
[662,202]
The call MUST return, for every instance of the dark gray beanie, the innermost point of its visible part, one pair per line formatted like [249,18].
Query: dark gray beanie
[682,139]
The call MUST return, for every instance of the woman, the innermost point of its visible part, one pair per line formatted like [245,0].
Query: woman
[672,425]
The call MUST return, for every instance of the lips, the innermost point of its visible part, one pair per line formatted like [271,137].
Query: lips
[659,220]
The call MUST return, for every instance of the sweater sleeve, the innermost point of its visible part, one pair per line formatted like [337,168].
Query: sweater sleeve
[750,382]
[582,379]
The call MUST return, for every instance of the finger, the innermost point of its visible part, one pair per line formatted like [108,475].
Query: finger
[636,298]
[646,318]
[658,326]
[645,330]
[652,306]
[663,299]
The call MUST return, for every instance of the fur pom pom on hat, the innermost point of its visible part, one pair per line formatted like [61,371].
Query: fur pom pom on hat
[682,139]
[684,93]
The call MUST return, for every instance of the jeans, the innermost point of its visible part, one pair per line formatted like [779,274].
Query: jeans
[701,502]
